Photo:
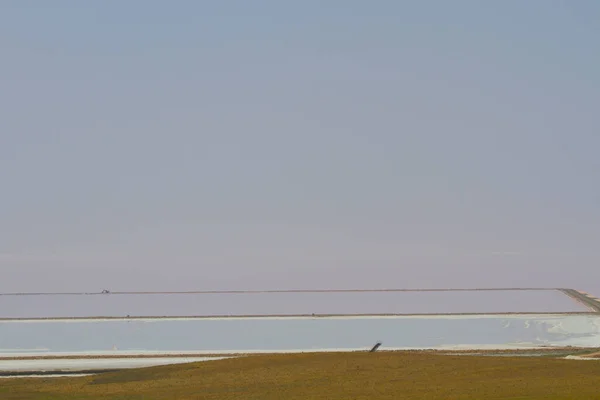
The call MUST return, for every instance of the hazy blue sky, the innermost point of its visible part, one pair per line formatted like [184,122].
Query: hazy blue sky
[308,144]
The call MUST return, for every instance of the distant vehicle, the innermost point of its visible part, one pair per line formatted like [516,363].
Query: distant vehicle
[105,291]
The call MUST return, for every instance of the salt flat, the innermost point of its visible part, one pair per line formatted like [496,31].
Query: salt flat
[44,376]
[94,364]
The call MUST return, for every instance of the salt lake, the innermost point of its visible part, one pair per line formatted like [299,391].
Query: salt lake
[290,334]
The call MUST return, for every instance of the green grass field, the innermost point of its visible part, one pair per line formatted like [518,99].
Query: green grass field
[368,376]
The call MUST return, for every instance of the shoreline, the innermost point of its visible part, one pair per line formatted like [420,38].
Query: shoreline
[589,352]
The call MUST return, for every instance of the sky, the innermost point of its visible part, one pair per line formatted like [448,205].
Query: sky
[188,145]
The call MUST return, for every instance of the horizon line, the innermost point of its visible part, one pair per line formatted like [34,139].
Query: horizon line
[239,291]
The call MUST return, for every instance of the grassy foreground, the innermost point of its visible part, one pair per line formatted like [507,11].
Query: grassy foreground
[384,375]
